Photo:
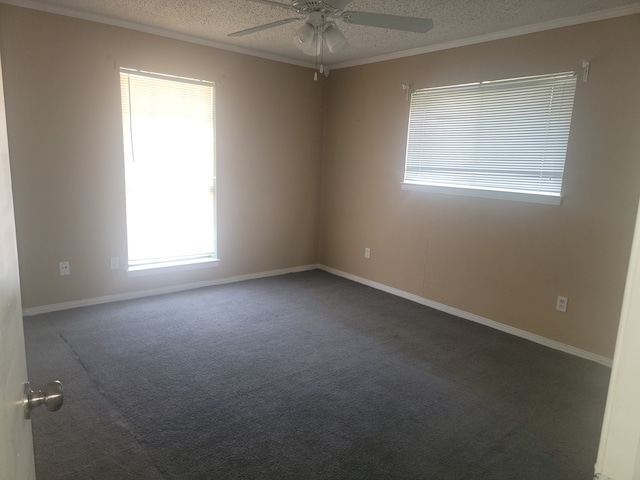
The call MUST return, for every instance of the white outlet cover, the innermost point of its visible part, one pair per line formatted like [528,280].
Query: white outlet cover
[561,304]
[64,268]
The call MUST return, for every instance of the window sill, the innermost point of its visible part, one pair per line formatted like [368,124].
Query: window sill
[168,267]
[493,194]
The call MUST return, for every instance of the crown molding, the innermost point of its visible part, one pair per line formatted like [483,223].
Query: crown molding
[139,27]
[513,32]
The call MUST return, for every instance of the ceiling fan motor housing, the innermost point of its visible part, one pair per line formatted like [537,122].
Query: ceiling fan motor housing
[317,19]
[308,7]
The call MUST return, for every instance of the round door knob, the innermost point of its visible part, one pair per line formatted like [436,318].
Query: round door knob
[52,398]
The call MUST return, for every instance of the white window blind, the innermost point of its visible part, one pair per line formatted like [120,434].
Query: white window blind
[506,136]
[168,130]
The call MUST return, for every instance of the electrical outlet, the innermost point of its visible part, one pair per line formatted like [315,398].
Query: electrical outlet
[65,269]
[367,252]
[115,263]
[561,304]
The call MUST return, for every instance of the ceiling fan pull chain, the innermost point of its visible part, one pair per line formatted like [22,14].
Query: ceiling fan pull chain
[315,38]
[321,42]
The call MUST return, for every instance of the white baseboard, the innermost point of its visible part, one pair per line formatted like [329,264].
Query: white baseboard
[161,291]
[379,286]
[474,318]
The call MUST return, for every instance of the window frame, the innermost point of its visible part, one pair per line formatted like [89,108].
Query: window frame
[182,262]
[477,97]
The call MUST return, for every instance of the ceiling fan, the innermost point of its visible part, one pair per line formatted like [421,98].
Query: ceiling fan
[319,26]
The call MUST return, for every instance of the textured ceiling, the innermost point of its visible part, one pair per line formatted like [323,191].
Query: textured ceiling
[455,22]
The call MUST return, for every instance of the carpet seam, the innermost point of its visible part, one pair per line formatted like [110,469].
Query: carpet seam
[114,410]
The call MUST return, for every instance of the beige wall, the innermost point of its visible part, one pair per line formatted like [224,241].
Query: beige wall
[62,94]
[505,261]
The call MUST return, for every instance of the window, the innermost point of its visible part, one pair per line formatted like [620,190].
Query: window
[169,145]
[498,139]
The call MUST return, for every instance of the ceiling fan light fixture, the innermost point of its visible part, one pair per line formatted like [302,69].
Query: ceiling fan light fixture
[319,28]
[334,38]
[304,37]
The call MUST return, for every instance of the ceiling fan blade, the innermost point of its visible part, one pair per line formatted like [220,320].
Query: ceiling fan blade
[394,22]
[338,4]
[262,27]
[274,4]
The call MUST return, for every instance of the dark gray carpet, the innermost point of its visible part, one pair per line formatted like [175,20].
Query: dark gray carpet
[305,376]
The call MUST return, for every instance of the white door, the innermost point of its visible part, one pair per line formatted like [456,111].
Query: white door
[16,444]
